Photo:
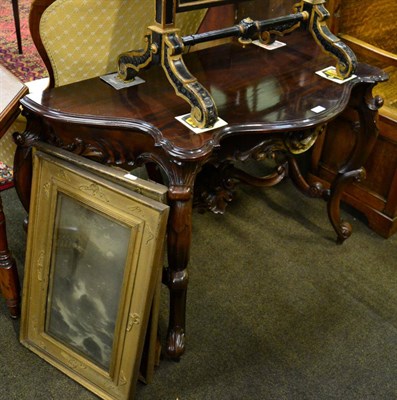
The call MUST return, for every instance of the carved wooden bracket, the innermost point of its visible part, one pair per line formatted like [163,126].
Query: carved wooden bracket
[164,46]
[317,26]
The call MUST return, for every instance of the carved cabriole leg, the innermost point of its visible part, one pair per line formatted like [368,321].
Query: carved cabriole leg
[181,180]
[353,171]
[342,228]
[9,281]
[176,276]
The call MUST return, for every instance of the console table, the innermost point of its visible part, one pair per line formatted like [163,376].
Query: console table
[269,100]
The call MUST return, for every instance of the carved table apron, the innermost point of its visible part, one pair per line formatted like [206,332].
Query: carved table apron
[266,97]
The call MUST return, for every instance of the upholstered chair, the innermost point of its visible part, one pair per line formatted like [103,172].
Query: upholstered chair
[82,39]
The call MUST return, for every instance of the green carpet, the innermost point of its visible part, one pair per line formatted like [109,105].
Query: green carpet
[276,310]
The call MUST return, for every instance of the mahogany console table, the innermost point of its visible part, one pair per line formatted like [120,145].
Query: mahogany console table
[270,101]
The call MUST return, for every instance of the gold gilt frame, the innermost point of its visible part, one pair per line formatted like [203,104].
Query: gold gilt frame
[94,255]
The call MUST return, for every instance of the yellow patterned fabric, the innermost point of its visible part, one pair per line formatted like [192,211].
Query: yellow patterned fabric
[83,38]
[7,145]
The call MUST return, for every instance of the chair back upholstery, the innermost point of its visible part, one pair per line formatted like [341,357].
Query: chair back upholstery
[82,39]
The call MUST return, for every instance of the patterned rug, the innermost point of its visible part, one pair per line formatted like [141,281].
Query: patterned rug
[27,66]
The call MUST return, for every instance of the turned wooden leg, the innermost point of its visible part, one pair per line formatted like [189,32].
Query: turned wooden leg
[176,276]
[367,131]
[9,282]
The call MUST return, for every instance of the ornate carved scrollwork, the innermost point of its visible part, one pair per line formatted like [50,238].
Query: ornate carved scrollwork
[353,171]
[204,112]
[31,135]
[346,59]
[300,142]
[214,188]
[342,228]
[88,150]
[131,62]
[101,151]
[267,36]
[216,185]
[170,45]
[163,45]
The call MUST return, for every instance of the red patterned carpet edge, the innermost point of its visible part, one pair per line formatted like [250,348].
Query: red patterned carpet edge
[27,66]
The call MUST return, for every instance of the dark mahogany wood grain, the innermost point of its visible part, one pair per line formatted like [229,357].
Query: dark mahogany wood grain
[274,91]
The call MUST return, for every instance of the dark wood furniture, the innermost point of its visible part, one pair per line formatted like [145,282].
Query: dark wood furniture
[369,29]
[12,90]
[266,97]
[15,11]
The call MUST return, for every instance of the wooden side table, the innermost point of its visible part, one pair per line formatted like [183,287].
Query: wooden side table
[12,90]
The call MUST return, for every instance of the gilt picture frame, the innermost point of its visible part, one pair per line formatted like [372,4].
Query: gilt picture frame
[93,259]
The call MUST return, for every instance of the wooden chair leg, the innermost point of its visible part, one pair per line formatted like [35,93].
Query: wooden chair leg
[9,281]
[15,9]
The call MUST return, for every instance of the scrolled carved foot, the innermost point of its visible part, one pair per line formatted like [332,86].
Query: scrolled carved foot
[176,343]
[344,232]
[342,228]
[215,201]
[326,194]
[316,190]
[214,188]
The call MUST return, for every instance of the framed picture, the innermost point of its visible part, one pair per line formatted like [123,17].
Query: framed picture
[93,260]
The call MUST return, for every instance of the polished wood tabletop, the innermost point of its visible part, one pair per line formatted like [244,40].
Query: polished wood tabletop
[255,90]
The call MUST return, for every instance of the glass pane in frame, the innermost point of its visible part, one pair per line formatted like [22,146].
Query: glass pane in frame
[87,266]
